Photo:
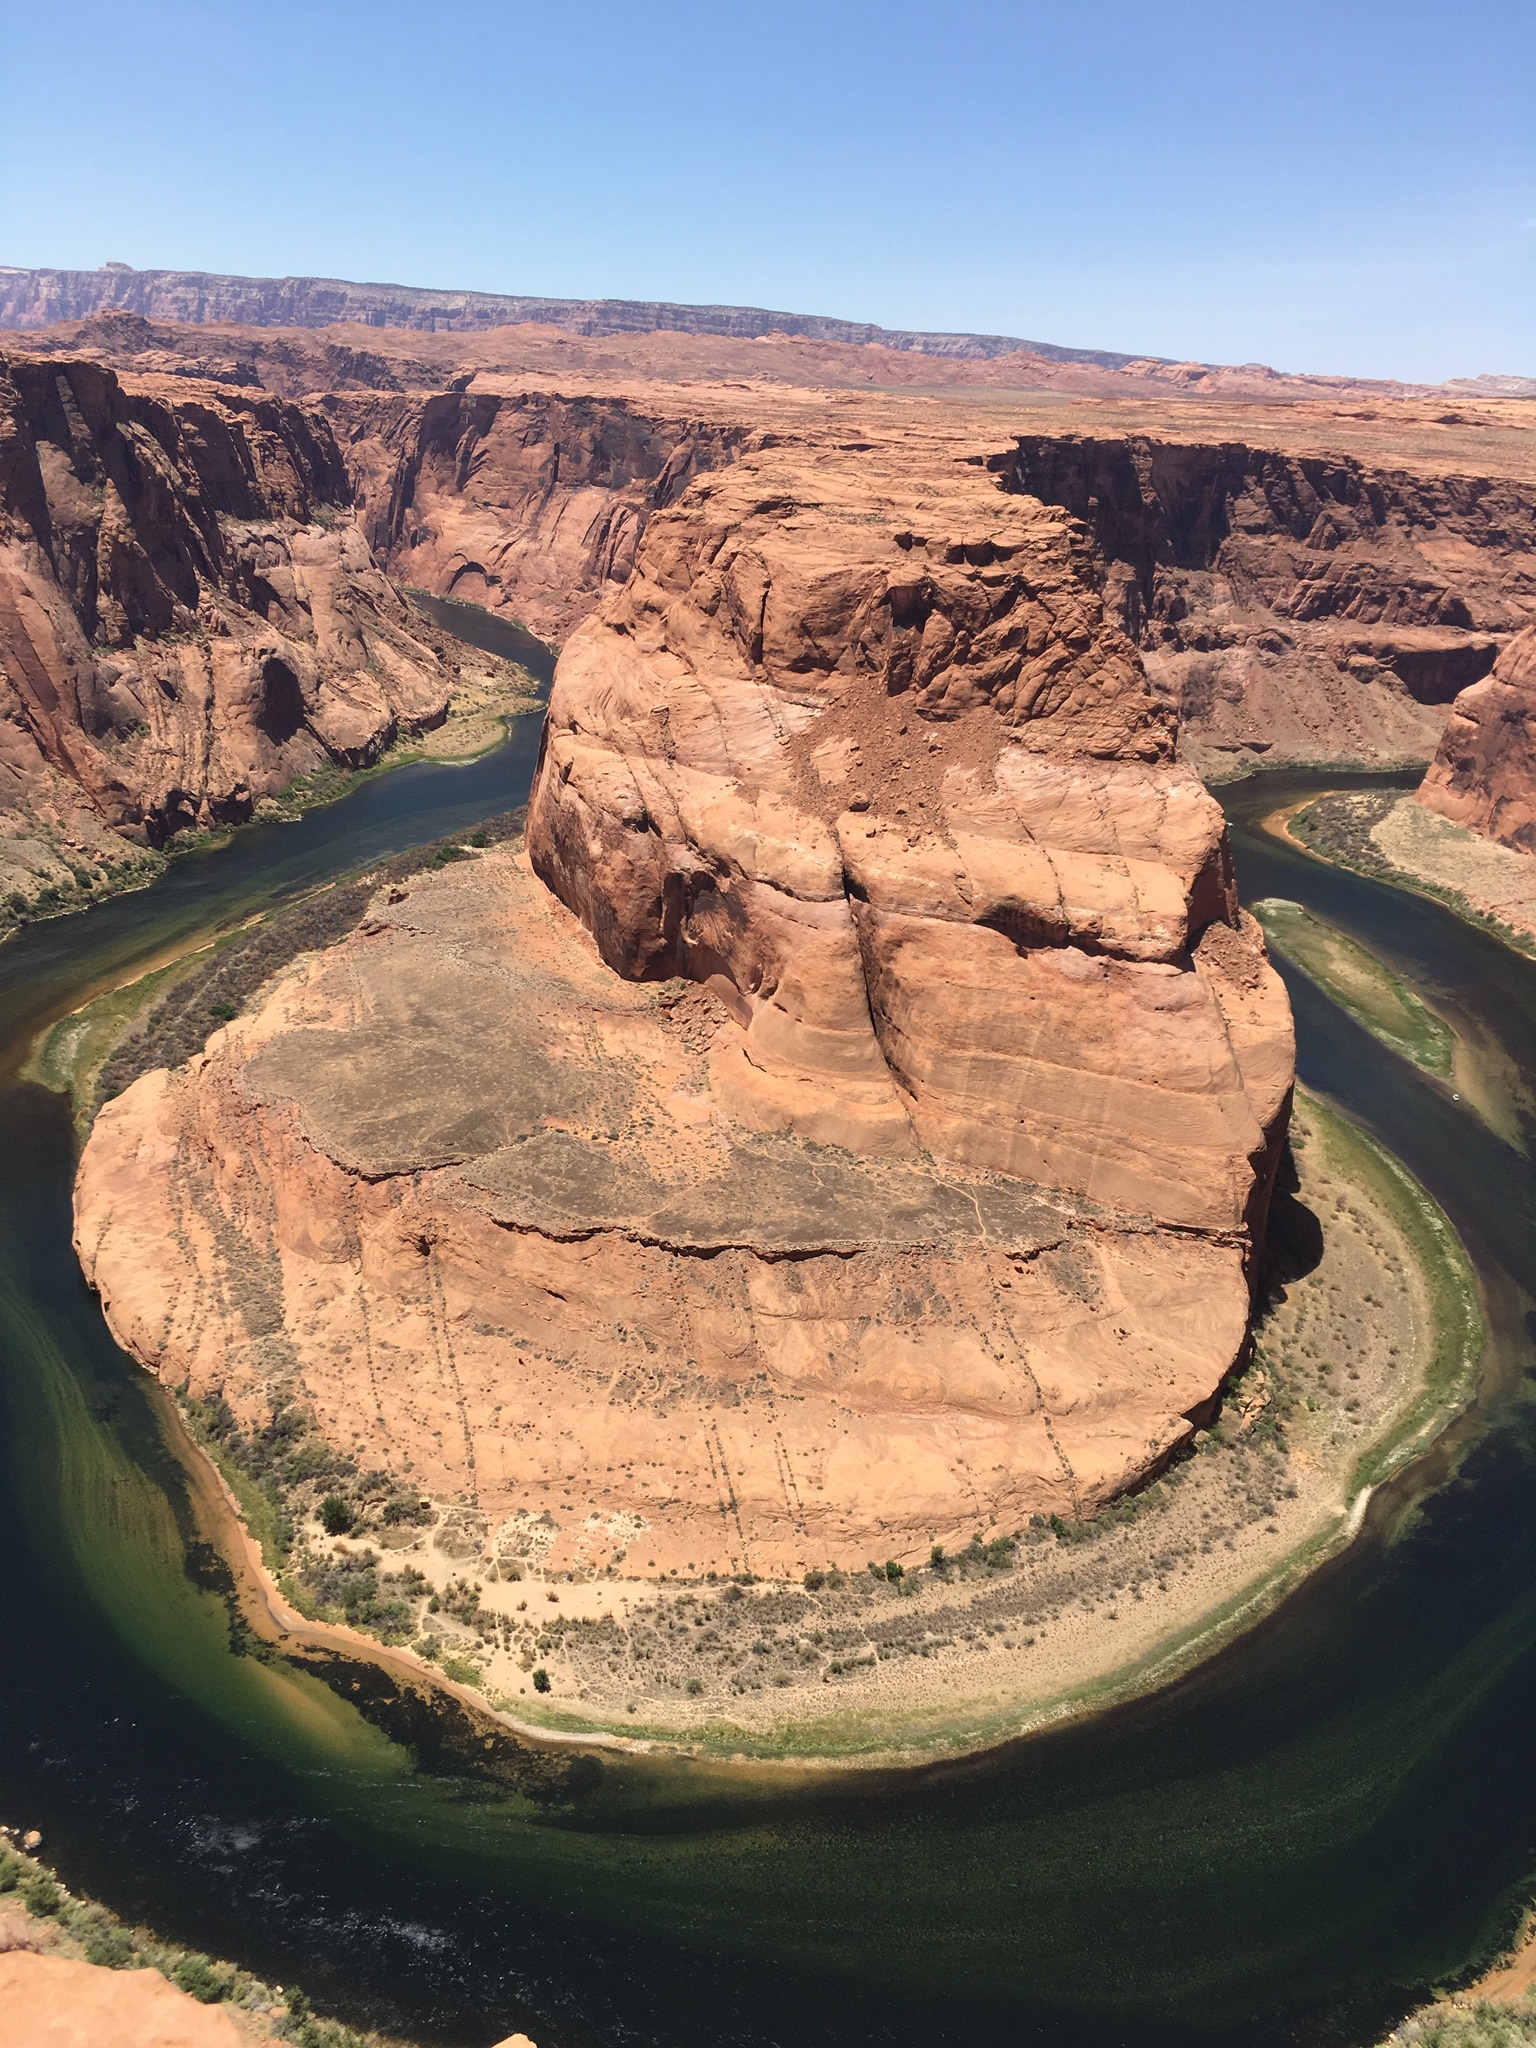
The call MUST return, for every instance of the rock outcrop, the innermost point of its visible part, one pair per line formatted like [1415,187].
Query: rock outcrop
[1297,607]
[1484,774]
[189,617]
[905,799]
[849,1124]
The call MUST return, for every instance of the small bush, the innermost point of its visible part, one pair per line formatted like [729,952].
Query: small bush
[403,1508]
[894,1571]
[541,1680]
[40,1895]
[110,1949]
[337,1515]
[197,1977]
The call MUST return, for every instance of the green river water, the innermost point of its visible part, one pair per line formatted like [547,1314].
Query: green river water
[1289,1845]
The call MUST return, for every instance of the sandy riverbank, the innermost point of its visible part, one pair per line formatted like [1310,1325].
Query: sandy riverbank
[1393,837]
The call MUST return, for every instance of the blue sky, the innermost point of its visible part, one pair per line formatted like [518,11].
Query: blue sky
[1346,187]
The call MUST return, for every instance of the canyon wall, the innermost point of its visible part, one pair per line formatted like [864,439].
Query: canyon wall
[189,617]
[1287,606]
[1484,773]
[528,502]
[1297,607]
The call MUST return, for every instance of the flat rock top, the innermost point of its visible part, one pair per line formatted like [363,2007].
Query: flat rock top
[472,1026]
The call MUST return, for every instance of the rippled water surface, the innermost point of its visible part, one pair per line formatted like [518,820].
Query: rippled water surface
[1287,1846]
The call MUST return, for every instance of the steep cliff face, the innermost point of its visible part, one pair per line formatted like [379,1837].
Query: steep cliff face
[881,770]
[1297,607]
[188,616]
[1484,774]
[529,502]
[861,1136]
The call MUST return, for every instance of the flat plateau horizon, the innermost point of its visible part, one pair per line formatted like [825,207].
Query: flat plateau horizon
[40,296]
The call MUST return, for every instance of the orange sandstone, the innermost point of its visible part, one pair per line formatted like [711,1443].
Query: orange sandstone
[846,1127]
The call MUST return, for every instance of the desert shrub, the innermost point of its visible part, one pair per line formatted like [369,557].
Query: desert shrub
[110,1949]
[407,1509]
[1484,2026]
[541,1680]
[39,1894]
[199,1979]
[337,1516]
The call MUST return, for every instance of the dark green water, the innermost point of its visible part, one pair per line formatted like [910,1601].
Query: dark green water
[1288,1846]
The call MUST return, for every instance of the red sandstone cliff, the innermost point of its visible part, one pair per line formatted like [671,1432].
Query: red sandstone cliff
[1484,774]
[530,502]
[1307,607]
[188,616]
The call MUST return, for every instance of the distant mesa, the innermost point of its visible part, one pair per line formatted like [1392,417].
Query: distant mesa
[38,298]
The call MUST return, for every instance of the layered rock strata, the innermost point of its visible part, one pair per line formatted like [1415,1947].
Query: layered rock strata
[1484,772]
[847,1128]
[1297,607]
[189,618]
[528,502]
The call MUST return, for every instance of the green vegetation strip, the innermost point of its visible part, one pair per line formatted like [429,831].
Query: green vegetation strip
[1481,2025]
[1458,1333]
[1358,982]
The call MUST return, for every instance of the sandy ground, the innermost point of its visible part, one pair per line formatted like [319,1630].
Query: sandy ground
[1496,880]
[475,722]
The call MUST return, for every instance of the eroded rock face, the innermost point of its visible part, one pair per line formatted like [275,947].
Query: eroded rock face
[524,502]
[906,800]
[1484,774]
[848,1125]
[188,617]
[1297,607]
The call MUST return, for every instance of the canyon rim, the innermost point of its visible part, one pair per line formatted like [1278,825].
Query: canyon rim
[845,1124]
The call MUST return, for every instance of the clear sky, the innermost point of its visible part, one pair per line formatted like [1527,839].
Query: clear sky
[1344,185]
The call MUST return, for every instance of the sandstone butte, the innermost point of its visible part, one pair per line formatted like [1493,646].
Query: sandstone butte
[850,1122]
[847,1122]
